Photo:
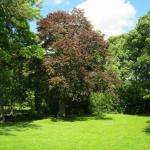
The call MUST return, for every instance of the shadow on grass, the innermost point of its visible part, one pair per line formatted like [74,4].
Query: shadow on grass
[74,118]
[147,129]
[24,117]
[144,115]
[18,124]
[9,129]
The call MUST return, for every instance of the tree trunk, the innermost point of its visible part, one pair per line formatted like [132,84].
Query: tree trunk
[2,119]
[62,109]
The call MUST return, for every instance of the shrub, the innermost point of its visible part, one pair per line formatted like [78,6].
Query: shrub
[102,102]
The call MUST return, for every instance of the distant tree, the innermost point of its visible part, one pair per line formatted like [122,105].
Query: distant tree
[75,57]
[138,43]
[130,58]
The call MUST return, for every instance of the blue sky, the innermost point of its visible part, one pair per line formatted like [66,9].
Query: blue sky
[113,17]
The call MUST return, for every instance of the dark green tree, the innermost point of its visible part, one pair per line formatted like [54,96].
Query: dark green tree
[130,56]
[18,45]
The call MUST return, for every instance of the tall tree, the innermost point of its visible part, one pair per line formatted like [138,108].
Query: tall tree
[138,43]
[131,59]
[75,57]
[17,45]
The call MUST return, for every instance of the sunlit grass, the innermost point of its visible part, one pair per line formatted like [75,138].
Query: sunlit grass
[113,132]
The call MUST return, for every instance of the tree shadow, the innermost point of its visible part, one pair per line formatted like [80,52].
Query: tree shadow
[74,118]
[103,118]
[144,115]
[24,117]
[9,129]
[18,124]
[147,129]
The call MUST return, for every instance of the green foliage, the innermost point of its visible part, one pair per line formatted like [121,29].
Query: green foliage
[130,56]
[33,51]
[138,43]
[26,9]
[30,98]
[118,61]
[18,46]
[102,102]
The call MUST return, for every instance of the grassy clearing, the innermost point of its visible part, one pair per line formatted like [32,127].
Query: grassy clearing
[114,132]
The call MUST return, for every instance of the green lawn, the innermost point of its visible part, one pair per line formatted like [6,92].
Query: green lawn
[114,132]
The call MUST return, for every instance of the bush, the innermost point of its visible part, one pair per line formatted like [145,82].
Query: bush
[102,102]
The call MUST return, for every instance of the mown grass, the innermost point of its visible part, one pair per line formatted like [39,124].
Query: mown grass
[113,132]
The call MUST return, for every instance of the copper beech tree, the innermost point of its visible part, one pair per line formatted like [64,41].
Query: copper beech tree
[75,57]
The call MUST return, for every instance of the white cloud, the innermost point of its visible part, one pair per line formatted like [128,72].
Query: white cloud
[109,16]
[58,1]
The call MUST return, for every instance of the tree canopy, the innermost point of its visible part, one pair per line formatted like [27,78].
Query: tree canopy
[76,57]
[17,46]
[132,62]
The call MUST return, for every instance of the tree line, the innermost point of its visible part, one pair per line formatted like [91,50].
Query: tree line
[67,67]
